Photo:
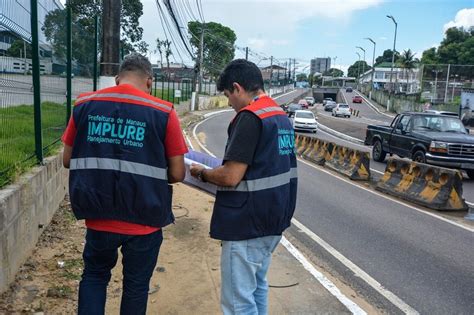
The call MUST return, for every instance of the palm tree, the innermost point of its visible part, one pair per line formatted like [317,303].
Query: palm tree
[407,61]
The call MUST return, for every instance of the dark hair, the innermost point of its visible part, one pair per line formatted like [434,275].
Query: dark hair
[136,63]
[243,72]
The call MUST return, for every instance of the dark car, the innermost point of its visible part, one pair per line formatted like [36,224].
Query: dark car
[292,108]
[349,90]
[426,138]
[357,99]
[326,100]
[330,105]
[284,107]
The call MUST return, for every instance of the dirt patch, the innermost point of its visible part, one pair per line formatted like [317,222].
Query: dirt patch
[48,282]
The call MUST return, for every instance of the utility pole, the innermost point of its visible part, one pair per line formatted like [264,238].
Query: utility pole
[271,75]
[246,53]
[447,83]
[358,70]
[289,70]
[363,65]
[201,56]
[294,70]
[110,56]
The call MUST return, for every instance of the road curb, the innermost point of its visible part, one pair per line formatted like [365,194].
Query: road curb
[339,134]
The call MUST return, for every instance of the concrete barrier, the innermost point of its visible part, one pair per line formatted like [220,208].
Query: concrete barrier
[352,163]
[26,207]
[318,151]
[430,186]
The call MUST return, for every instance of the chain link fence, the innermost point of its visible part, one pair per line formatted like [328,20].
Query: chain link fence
[30,129]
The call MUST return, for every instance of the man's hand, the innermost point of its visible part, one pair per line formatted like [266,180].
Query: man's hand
[195,169]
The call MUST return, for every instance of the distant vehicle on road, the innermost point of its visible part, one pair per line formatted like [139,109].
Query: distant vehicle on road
[305,120]
[330,106]
[357,99]
[284,107]
[341,110]
[310,100]
[326,100]
[349,90]
[304,104]
[292,108]
[426,138]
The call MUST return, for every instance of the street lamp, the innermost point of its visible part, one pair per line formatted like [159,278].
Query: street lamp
[373,66]
[358,67]
[363,65]
[393,51]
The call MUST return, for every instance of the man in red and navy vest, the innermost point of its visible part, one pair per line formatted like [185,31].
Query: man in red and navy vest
[256,194]
[123,148]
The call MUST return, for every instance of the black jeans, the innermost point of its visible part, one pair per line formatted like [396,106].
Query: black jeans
[140,253]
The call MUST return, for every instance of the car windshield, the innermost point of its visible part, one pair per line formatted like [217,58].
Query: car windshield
[438,123]
[304,115]
[294,106]
[343,106]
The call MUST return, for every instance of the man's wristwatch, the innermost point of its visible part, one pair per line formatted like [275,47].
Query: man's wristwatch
[200,175]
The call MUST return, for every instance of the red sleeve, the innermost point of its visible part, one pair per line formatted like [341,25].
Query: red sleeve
[174,141]
[69,133]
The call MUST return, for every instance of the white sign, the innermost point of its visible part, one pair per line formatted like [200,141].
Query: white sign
[177,93]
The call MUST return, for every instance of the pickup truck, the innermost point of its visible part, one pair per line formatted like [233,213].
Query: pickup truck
[426,138]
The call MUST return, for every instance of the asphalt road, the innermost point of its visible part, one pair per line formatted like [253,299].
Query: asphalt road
[424,261]
[356,126]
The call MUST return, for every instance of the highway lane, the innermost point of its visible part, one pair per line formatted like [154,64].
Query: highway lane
[349,125]
[421,259]
[366,111]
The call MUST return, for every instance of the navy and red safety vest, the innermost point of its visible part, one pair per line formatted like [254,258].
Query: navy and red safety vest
[118,168]
[264,201]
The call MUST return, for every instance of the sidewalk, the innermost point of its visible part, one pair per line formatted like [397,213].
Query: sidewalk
[187,276]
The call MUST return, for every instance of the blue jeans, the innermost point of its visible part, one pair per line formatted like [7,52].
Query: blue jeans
[140,253]
[244,266]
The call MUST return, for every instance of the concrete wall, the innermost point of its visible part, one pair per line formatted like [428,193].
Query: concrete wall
[26,207]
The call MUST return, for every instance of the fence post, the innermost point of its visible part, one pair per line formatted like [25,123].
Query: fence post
[96,39]
[173,92]
[162,85]
[36,80]
[68,62]
[156,85]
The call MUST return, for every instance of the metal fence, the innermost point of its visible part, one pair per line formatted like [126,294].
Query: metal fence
[442,84]
[40,75]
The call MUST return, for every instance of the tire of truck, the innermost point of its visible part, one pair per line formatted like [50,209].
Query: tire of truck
[378,154]
[419,156]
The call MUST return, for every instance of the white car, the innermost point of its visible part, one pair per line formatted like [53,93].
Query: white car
[305,120]
[310,100]
[341,110]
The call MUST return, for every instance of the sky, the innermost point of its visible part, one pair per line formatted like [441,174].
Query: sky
[304,29]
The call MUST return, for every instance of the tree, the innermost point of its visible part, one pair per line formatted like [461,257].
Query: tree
[386,56]
[301,77]
[407,61]
[430,56]
[218,47]
[159,49]
[334,73]
[455,48]
[83,13]
[17,49]
[142,47]
[168,53]
[357,68]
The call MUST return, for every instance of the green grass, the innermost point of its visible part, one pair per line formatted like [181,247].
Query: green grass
[167,95]
[17,136]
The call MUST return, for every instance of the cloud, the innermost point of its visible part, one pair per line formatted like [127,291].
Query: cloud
[464,18]
[383,38]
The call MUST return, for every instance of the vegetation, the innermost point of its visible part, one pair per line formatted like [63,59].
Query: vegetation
[457,47]
[387,56]
[358,68]
[83,29]
[17,136]
[218,45]
[408,62]
[334,73]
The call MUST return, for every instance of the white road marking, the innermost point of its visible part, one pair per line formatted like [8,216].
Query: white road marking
[389,197]
[351,306]
[358,272]
[188,140]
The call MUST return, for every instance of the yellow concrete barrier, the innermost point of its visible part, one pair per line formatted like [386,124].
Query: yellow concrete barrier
[431,186]
[352,163]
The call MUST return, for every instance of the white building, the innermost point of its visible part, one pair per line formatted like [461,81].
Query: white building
[399,78]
